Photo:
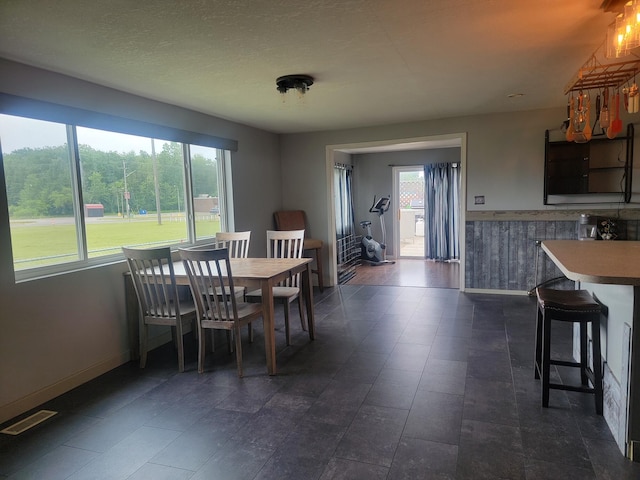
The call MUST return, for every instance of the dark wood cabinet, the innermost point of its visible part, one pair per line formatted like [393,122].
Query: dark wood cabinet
[599,171]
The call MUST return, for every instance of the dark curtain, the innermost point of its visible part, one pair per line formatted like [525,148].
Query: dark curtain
[442,207]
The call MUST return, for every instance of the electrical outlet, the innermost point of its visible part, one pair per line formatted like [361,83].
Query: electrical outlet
[479,200]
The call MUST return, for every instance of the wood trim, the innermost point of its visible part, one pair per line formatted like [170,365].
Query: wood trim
[549,215]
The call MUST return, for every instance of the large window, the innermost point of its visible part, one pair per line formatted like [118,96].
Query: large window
[77,194]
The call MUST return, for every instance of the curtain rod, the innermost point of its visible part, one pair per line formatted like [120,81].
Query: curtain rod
[455,164]
[343,166]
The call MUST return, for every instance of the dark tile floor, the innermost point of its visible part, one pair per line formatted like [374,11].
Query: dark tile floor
[400,382]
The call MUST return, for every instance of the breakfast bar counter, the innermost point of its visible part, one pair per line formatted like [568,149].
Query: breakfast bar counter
[596,261]
[610,270]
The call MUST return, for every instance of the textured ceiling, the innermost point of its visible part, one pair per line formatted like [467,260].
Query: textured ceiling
[375,62]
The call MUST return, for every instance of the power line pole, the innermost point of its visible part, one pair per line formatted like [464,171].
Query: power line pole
[126,191]
[155,180]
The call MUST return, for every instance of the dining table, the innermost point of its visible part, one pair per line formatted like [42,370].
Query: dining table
[265,273]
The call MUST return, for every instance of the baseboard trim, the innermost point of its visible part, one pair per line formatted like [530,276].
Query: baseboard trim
[26,403]
[496,292]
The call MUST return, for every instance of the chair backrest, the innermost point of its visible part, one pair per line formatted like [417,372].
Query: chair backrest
[286,244]
[154,281]
[236,242]
[209,271]
[290,220]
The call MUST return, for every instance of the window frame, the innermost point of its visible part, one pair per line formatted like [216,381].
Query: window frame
[72,117]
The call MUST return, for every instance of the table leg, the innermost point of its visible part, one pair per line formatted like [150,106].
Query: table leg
[307,289]
[269,327]
[319,269]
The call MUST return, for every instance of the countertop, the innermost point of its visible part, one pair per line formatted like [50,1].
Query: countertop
[596,261]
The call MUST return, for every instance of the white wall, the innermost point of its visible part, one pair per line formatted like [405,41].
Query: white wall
[505,161]
[62,331]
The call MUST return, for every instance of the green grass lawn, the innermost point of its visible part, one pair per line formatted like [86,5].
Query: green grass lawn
[41,243]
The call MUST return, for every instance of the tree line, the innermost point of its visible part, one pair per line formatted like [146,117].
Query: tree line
[39,180]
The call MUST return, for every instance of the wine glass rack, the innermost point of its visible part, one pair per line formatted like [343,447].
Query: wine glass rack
[594,75]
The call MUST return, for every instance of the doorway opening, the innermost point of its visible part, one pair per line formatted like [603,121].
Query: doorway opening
[337,153]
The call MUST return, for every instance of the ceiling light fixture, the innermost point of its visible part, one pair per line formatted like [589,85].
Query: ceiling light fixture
[298,82]
[623,35]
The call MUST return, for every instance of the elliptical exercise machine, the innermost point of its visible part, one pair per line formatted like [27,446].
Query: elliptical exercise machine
[372,252]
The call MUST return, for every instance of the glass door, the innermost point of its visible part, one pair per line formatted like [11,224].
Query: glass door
[409,225]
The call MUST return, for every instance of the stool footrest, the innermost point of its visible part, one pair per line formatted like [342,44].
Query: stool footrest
[565,363]
[572,388]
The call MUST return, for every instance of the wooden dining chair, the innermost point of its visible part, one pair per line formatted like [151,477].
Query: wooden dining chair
[238,245]
[285,244]
[158,297]
[236,242]
[208,271]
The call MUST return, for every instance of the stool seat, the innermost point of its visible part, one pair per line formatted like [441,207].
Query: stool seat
[575,306]
[567,300]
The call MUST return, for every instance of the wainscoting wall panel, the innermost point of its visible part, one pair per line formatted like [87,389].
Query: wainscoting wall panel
[501,254]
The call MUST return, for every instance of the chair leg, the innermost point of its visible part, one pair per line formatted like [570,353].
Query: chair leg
[319,269]
[230,341]
[537,361]
[250,330]
[180,342]
[174,337]
[303,323]
[236,332]
[583,354]
[202,347]
[597,365]
[286,322]
[143,345]
[194,328]
[546,358]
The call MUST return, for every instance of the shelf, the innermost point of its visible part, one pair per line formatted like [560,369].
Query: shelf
[594,139]
[593,172]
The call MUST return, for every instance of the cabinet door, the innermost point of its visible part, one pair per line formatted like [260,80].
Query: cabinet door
[599,171]
[567,168]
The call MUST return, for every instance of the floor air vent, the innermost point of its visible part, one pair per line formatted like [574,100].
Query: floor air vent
[26,423]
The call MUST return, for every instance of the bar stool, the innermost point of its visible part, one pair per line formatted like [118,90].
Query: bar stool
[575,306]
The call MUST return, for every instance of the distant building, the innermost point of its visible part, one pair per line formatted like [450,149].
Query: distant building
[94,210]
[205,204]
